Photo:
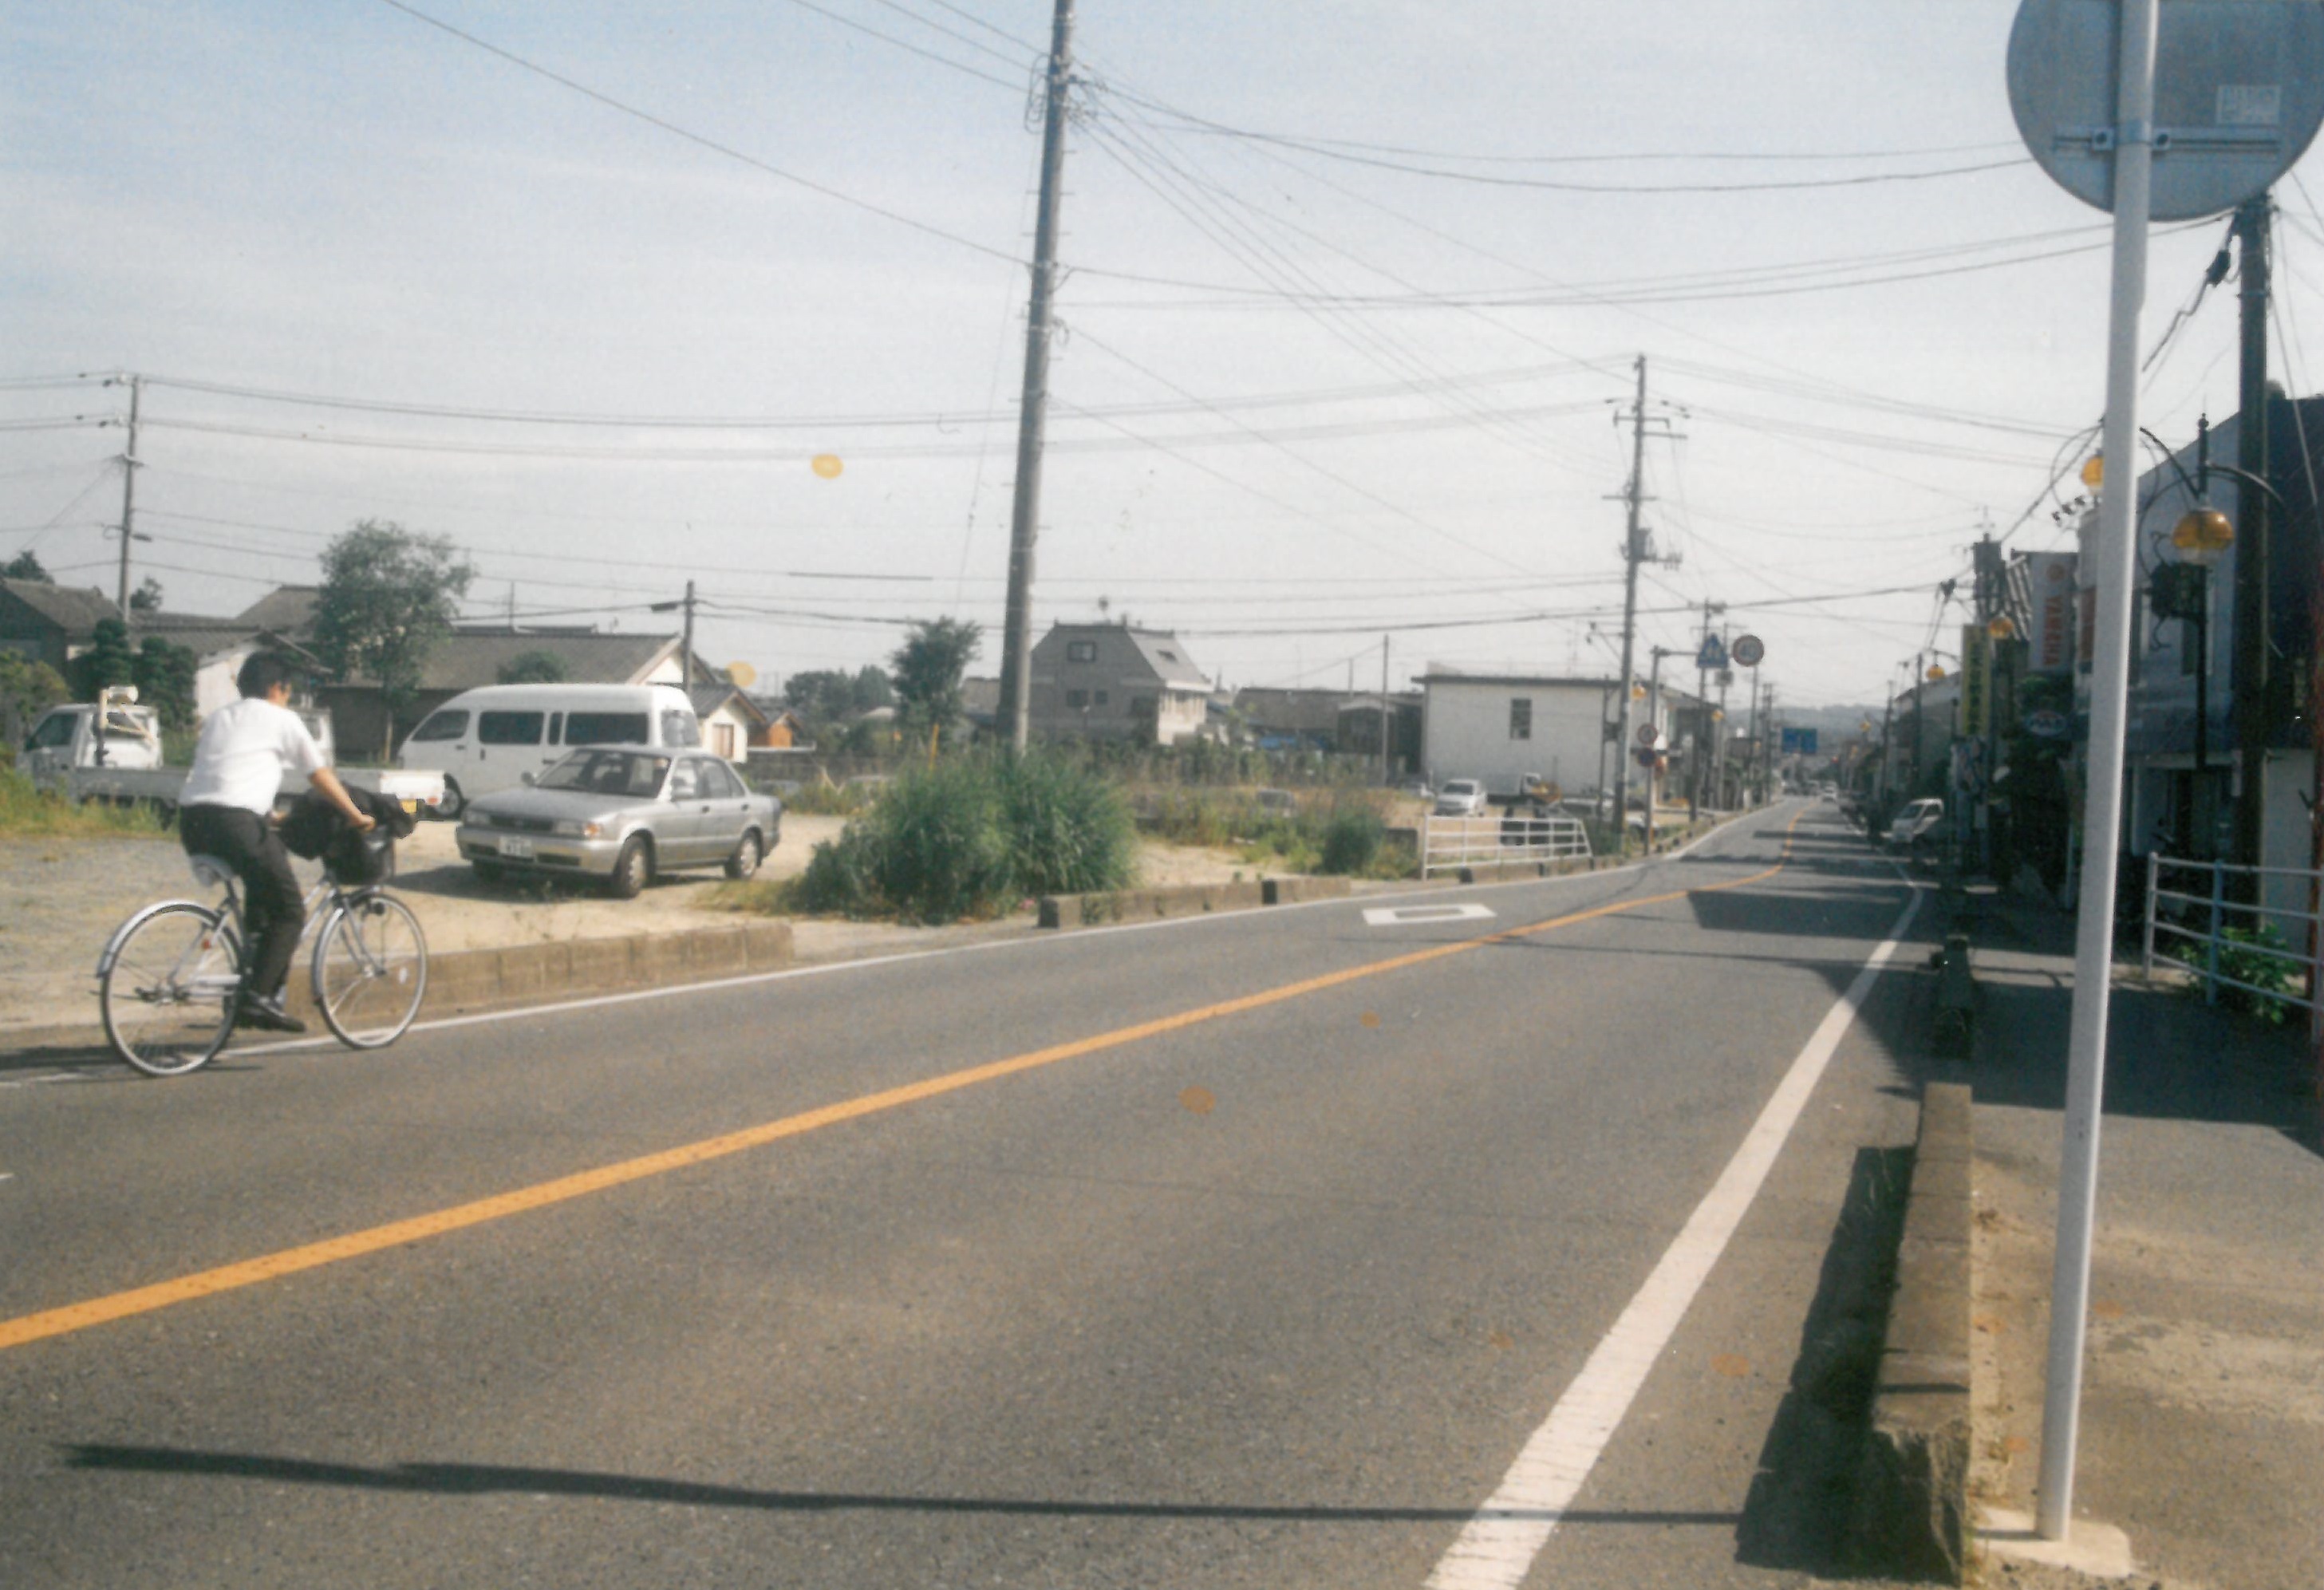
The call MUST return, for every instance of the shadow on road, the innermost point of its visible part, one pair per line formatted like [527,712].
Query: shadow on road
[1797,1515]
[466,1479]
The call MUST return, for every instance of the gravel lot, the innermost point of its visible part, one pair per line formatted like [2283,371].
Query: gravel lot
[61,899]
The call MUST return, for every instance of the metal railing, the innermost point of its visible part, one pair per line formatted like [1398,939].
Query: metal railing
[1448,844]
[2201,914]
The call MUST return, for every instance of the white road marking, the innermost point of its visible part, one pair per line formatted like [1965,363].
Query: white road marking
[1389,916]
[1498,1545]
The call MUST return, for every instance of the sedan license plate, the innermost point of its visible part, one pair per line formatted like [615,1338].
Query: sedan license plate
[512,845]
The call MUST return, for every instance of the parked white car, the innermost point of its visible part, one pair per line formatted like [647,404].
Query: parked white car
[1461,798]
[1918,821]
[489,738]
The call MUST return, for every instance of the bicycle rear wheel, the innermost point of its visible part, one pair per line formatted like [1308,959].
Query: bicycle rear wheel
[370,970]
[167,987]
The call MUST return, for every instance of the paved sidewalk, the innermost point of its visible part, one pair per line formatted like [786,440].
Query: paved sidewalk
[2202,1432]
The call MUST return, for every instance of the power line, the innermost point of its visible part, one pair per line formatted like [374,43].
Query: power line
[728,151]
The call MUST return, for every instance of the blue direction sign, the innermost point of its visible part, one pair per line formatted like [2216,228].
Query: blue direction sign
[1799,742]
[1712,656]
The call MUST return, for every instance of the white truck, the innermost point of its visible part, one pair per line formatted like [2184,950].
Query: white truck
[111,750]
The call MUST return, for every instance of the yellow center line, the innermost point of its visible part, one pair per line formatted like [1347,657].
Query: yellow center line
[226,1278]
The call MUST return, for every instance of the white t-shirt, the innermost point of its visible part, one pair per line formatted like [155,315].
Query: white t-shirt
[245,750]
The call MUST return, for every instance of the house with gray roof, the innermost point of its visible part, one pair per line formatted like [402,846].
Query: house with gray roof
[50,624]
[1113,681]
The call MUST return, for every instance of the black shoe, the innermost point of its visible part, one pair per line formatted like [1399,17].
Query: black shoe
[267,1015]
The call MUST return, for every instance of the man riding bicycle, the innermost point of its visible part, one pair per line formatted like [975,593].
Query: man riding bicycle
[225,810]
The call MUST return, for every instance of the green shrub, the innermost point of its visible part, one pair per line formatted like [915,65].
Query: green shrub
[1069,830]
[2242,958]
[1352,837]
[970,837]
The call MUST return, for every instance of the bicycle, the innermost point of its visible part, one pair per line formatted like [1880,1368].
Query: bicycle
[171,975]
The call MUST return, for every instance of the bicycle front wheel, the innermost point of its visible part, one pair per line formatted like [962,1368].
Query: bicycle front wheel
[370,970]
[167,987]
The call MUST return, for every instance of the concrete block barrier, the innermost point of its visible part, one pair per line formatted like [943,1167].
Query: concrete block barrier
[1912,1511]
[465,980]
[1192,900]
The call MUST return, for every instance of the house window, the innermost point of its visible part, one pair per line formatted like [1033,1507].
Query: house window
[1081,651]
[1100,698]
[1076,700]
[1520,717]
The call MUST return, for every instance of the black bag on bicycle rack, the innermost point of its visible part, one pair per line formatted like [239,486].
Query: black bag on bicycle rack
[316,829]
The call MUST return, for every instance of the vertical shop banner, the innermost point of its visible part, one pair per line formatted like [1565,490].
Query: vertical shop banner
[2049,587]
[1977,681]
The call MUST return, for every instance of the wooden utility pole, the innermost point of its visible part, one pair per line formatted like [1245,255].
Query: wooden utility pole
[2251,666]
[1016,625]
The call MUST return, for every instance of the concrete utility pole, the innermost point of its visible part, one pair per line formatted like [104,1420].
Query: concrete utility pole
[1636,548]
[129,467]
[1388,763]
[1700,773]
[2251,667]
[685,644]
[1016,625]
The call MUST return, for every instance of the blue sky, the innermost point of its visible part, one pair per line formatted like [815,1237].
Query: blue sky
[340,201]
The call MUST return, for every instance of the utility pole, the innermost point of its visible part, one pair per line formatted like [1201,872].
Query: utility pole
[129,467]
[1386,761]
[2251,665]
[686,645]
[1636,548]
[1655,718]
[1016,627]
[1700,773]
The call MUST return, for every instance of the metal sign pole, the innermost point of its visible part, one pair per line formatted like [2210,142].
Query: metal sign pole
[2077,1171]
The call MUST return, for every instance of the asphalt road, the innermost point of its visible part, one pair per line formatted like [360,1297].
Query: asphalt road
[1248,1250]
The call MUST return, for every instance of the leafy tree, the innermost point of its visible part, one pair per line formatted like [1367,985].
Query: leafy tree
[147,596]
[388,595]
[872,689]
[535,668]
[164,676]
[27,690]
[108,661]
[928,667]
[24,566]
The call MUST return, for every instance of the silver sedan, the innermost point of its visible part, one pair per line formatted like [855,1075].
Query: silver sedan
[622,814]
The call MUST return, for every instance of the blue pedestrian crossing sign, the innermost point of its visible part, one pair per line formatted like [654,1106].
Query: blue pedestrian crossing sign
[1712,656]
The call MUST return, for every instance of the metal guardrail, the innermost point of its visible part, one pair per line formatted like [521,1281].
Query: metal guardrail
[1448,844]
[2206,906]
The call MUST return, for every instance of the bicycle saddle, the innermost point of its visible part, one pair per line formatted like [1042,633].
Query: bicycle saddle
[209,872]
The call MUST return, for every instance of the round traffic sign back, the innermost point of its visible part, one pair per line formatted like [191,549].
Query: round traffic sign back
[2239,95]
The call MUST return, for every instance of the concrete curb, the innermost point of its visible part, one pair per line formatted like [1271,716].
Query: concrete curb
[1192,900]
[1912,1500]
[462,981]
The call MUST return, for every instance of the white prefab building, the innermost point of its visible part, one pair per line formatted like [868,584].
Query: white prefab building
[1504,728]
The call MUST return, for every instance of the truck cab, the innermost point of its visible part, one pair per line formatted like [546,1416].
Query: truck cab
[113,733]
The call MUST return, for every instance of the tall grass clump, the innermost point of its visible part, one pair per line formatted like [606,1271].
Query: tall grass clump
[970,837]
[1352,840]
[30,812]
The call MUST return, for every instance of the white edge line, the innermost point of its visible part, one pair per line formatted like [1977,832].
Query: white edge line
[1497,1547]
[1034,939]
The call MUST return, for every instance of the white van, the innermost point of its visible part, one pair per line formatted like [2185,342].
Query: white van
[489,738]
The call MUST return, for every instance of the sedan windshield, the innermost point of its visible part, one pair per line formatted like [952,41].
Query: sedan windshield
[631,773]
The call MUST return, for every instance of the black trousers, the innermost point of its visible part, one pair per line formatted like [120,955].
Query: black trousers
[273,906]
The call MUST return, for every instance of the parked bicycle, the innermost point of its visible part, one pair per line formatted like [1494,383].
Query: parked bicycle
[170,977]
